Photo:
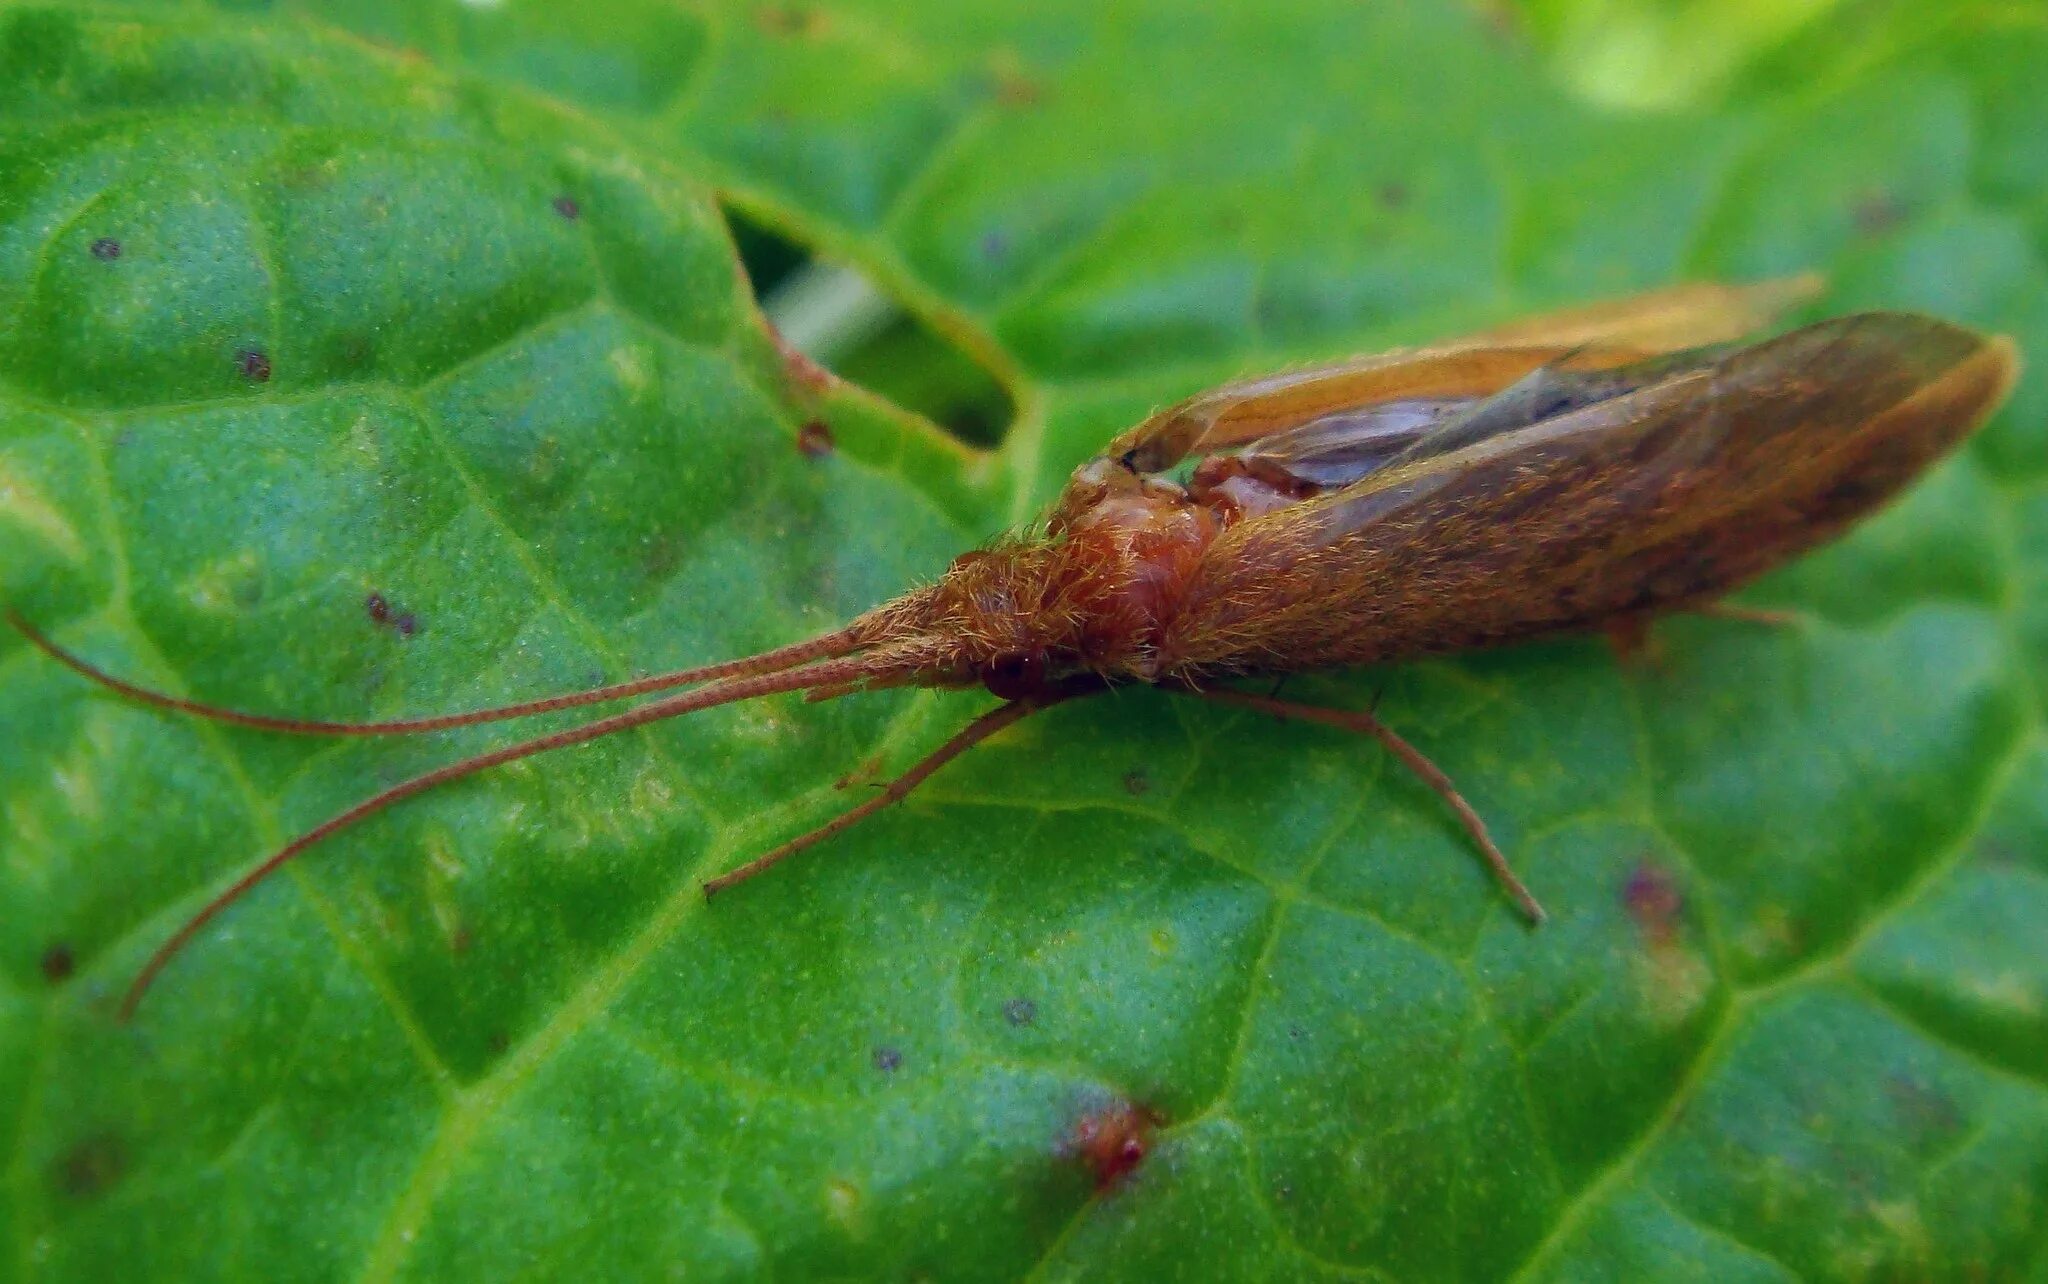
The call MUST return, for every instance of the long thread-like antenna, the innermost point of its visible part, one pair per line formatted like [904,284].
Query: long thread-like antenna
[718,693]
[828,646]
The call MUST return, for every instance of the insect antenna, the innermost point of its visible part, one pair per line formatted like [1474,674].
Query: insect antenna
[827,646]
[725,691]
[1004,715]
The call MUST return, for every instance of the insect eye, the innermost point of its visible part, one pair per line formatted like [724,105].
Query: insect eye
[1012,677]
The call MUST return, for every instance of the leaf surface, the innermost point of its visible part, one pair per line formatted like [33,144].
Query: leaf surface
[376,358]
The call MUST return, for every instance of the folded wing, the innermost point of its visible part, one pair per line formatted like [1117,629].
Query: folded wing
[1408,387]
[1668,484]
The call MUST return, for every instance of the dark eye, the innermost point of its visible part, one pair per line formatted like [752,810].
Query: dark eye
[1013,677]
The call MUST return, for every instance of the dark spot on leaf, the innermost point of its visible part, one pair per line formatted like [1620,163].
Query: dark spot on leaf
[1652,899]
[1393,195]
[254,364]
[91,1166]
[460,940]
[814,440]
[1994,852]
[887,1060]
[1136,782]
[58,963]
[995,246]
[383,612]
[307,178]
[1921,1107]
[1877,212]
[106,249]
[663,554]
[790,20]
[1020,1011]
[1112,1142]
[566,206]
[1502,23]
[497,1042]
[1014,85]
[1296,1033]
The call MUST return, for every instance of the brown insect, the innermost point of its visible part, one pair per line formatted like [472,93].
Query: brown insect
[1585,471]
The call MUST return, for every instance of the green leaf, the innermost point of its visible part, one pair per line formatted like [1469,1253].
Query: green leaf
[433,302]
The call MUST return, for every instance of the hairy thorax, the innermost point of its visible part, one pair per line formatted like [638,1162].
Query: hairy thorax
[1126,548]
[1131,546]
[1099,594]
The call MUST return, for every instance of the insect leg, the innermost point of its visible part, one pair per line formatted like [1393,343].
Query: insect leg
[1411,757]
[1629,638]
[966,738]
[1740,614]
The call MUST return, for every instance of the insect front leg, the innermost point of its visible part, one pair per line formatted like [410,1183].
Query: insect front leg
[1412,758]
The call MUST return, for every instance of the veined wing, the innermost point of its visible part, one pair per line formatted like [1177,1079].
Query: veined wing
[1342,449]
[1408,390]
[1667,320]
[1671,493]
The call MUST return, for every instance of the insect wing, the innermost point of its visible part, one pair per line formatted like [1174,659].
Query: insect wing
[1668,320]
[1643,501]
[1339,449]
[1240,413]
[1760,420]
[1599,337]
[1342,449]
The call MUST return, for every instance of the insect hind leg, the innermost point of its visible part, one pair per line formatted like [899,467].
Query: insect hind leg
[1736,613]
[1412,758]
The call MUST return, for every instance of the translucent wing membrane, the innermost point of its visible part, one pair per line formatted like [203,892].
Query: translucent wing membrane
[1239,414]
[1669,320]
[1599,337]
[1340,449]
